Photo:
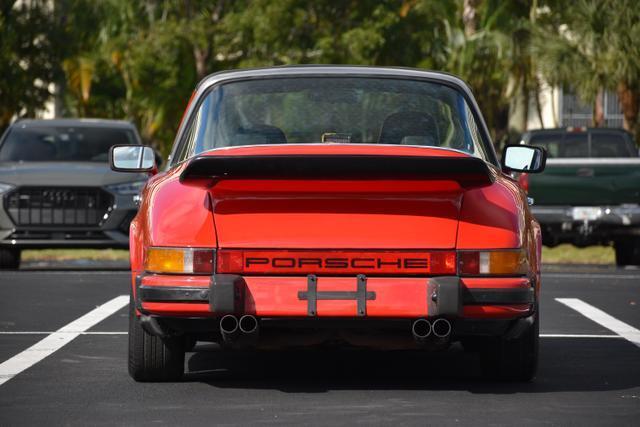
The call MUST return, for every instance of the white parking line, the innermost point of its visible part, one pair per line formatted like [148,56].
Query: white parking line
[625,330]
[579,336]
[51,343]
[65,332]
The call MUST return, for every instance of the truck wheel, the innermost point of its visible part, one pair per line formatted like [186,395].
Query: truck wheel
[151,358]
[627,251]
[514,359]
[9,259]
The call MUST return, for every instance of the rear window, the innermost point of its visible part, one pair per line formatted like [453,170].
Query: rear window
[609,145]
[350,110]
[567,144]
[62,143]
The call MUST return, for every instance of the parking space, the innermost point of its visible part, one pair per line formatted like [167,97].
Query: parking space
[587,374]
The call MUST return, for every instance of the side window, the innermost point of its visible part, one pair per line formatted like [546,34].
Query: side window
[477,149]
[186,149]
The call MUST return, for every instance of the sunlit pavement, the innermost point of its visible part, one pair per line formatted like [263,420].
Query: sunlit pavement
[589,370]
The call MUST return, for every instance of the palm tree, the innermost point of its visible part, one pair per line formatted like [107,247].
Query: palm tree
[596,49]
[623,59]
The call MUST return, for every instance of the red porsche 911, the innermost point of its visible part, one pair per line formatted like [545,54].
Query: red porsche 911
[360,206]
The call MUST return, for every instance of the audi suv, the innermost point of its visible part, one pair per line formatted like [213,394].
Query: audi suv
[57,190]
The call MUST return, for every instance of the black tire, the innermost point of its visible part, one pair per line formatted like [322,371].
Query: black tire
[515,359]
[151,358]
[627,251]
[9,259]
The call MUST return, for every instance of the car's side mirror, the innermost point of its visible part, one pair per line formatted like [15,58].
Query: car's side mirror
[523,158]
[132,158]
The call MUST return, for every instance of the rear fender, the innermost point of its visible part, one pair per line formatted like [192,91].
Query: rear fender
[171,215]
[492,217]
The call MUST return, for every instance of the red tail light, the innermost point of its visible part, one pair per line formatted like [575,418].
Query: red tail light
[270,262]
[523,181]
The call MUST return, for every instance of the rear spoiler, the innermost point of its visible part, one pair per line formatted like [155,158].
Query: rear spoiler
[468,171]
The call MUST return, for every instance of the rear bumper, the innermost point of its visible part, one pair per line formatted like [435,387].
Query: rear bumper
[560,226]
[611,216]
[335,297]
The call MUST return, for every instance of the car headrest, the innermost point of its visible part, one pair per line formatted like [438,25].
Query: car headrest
[259,134]
[409,127]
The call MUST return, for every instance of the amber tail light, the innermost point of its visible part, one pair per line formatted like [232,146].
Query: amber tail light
[180,260]
[498,262]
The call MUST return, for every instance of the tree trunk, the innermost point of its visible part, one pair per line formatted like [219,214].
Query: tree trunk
[537,90]
[470,16]
[630,104]
[201,57]
[598,110]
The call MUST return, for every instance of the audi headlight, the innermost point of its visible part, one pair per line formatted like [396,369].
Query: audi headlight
[4,188]
[128,188]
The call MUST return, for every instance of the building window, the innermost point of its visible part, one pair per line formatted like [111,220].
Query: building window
[576,112]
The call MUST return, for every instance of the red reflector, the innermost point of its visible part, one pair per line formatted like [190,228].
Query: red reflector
[230,261]
[443,263]
[470,263]
[238,261]
[203,261]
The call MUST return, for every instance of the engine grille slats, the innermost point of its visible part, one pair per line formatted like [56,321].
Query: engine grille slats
[42,206]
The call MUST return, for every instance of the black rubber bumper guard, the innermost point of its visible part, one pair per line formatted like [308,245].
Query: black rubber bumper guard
[226,294]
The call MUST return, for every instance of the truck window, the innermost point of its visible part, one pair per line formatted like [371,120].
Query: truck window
[562,145]
[548,142]
[609,145]
[575,145]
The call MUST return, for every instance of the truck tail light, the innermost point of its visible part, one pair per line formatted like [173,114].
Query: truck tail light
[499,262]
[523,181]
[179,260]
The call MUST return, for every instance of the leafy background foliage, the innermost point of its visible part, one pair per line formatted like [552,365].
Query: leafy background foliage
[140,59]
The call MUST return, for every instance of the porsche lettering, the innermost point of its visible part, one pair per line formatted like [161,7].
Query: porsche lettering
[338,263]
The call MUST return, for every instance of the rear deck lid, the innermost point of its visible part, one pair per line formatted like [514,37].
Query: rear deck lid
[338,200]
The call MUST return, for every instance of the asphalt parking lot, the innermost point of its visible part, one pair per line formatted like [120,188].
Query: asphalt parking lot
[589,370]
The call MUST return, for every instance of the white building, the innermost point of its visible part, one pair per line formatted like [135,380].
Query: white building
[561,108]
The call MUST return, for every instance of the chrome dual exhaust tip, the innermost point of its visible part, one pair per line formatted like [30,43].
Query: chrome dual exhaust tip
[441,328]
[231,327]
[421,329]
[248,324]
[424,331]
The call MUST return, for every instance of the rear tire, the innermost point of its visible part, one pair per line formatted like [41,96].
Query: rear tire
[627,251]
[151,358]
[515,359]
[9,259]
